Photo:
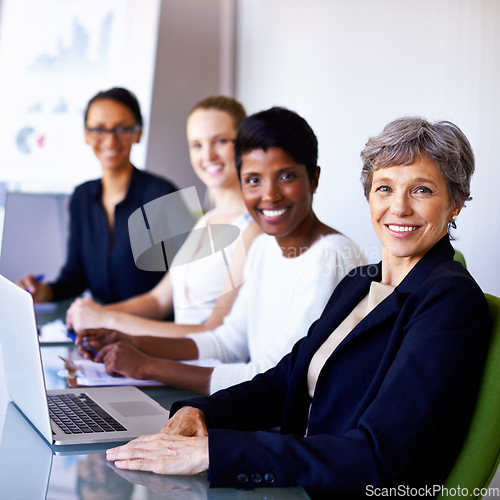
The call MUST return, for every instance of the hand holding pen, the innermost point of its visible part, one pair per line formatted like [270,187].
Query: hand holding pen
[92,341]
[82,341]
[39,290]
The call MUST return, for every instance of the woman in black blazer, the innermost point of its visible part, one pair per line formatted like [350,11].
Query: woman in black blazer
[380,392]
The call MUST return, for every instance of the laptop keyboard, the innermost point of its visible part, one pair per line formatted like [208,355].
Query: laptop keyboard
[78,414]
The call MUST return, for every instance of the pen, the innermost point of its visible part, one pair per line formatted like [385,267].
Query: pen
[72,335]
[70,366]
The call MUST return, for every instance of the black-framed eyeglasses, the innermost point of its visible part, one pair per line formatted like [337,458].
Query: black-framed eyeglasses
[120,132]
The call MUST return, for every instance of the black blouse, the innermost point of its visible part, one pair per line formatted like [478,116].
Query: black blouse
[99,260]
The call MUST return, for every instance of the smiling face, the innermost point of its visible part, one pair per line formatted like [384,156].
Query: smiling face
[278,195]
[410,210]
[113,153]
[210,135]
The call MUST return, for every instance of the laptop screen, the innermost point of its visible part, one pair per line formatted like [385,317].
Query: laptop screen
[21,356]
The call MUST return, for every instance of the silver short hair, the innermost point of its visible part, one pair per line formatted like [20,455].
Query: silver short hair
[405,140]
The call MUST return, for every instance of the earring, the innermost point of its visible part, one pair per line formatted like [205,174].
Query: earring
[453,223]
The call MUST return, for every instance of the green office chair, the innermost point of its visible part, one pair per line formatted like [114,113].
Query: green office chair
[459,257]
[480,455]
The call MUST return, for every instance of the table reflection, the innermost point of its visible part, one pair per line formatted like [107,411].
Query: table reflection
[31,469]
[96,480]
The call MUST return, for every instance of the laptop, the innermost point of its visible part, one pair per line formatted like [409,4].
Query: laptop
[104,414]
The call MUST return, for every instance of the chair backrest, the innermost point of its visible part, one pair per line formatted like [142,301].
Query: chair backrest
[34,237]
[480,454]
[459,257]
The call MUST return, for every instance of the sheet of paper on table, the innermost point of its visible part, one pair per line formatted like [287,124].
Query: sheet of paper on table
[54,331]
[94,374]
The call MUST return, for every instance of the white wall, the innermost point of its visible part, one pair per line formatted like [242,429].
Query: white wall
[193,62]
[350,67]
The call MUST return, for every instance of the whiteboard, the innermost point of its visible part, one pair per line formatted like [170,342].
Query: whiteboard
[54,56]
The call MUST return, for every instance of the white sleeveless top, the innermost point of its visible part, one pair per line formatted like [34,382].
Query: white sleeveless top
[198,283]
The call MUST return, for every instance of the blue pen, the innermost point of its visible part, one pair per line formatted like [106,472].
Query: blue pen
[72,335]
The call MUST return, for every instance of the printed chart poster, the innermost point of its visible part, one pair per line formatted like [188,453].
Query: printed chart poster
[54,56]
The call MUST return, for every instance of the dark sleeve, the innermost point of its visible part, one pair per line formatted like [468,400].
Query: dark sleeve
[72,279]
[437,363]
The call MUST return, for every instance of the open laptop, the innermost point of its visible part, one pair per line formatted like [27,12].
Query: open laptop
[123,413]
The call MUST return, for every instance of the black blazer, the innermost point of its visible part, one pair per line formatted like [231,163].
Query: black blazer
[391,404]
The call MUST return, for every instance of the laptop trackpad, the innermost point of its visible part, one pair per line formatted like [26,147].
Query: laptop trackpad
[135,409]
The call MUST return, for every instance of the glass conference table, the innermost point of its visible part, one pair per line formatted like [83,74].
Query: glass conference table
[30,469]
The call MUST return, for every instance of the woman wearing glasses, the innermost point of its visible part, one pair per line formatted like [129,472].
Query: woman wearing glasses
[99,253]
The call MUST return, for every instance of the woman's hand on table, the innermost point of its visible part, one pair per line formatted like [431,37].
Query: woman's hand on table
[163,454]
